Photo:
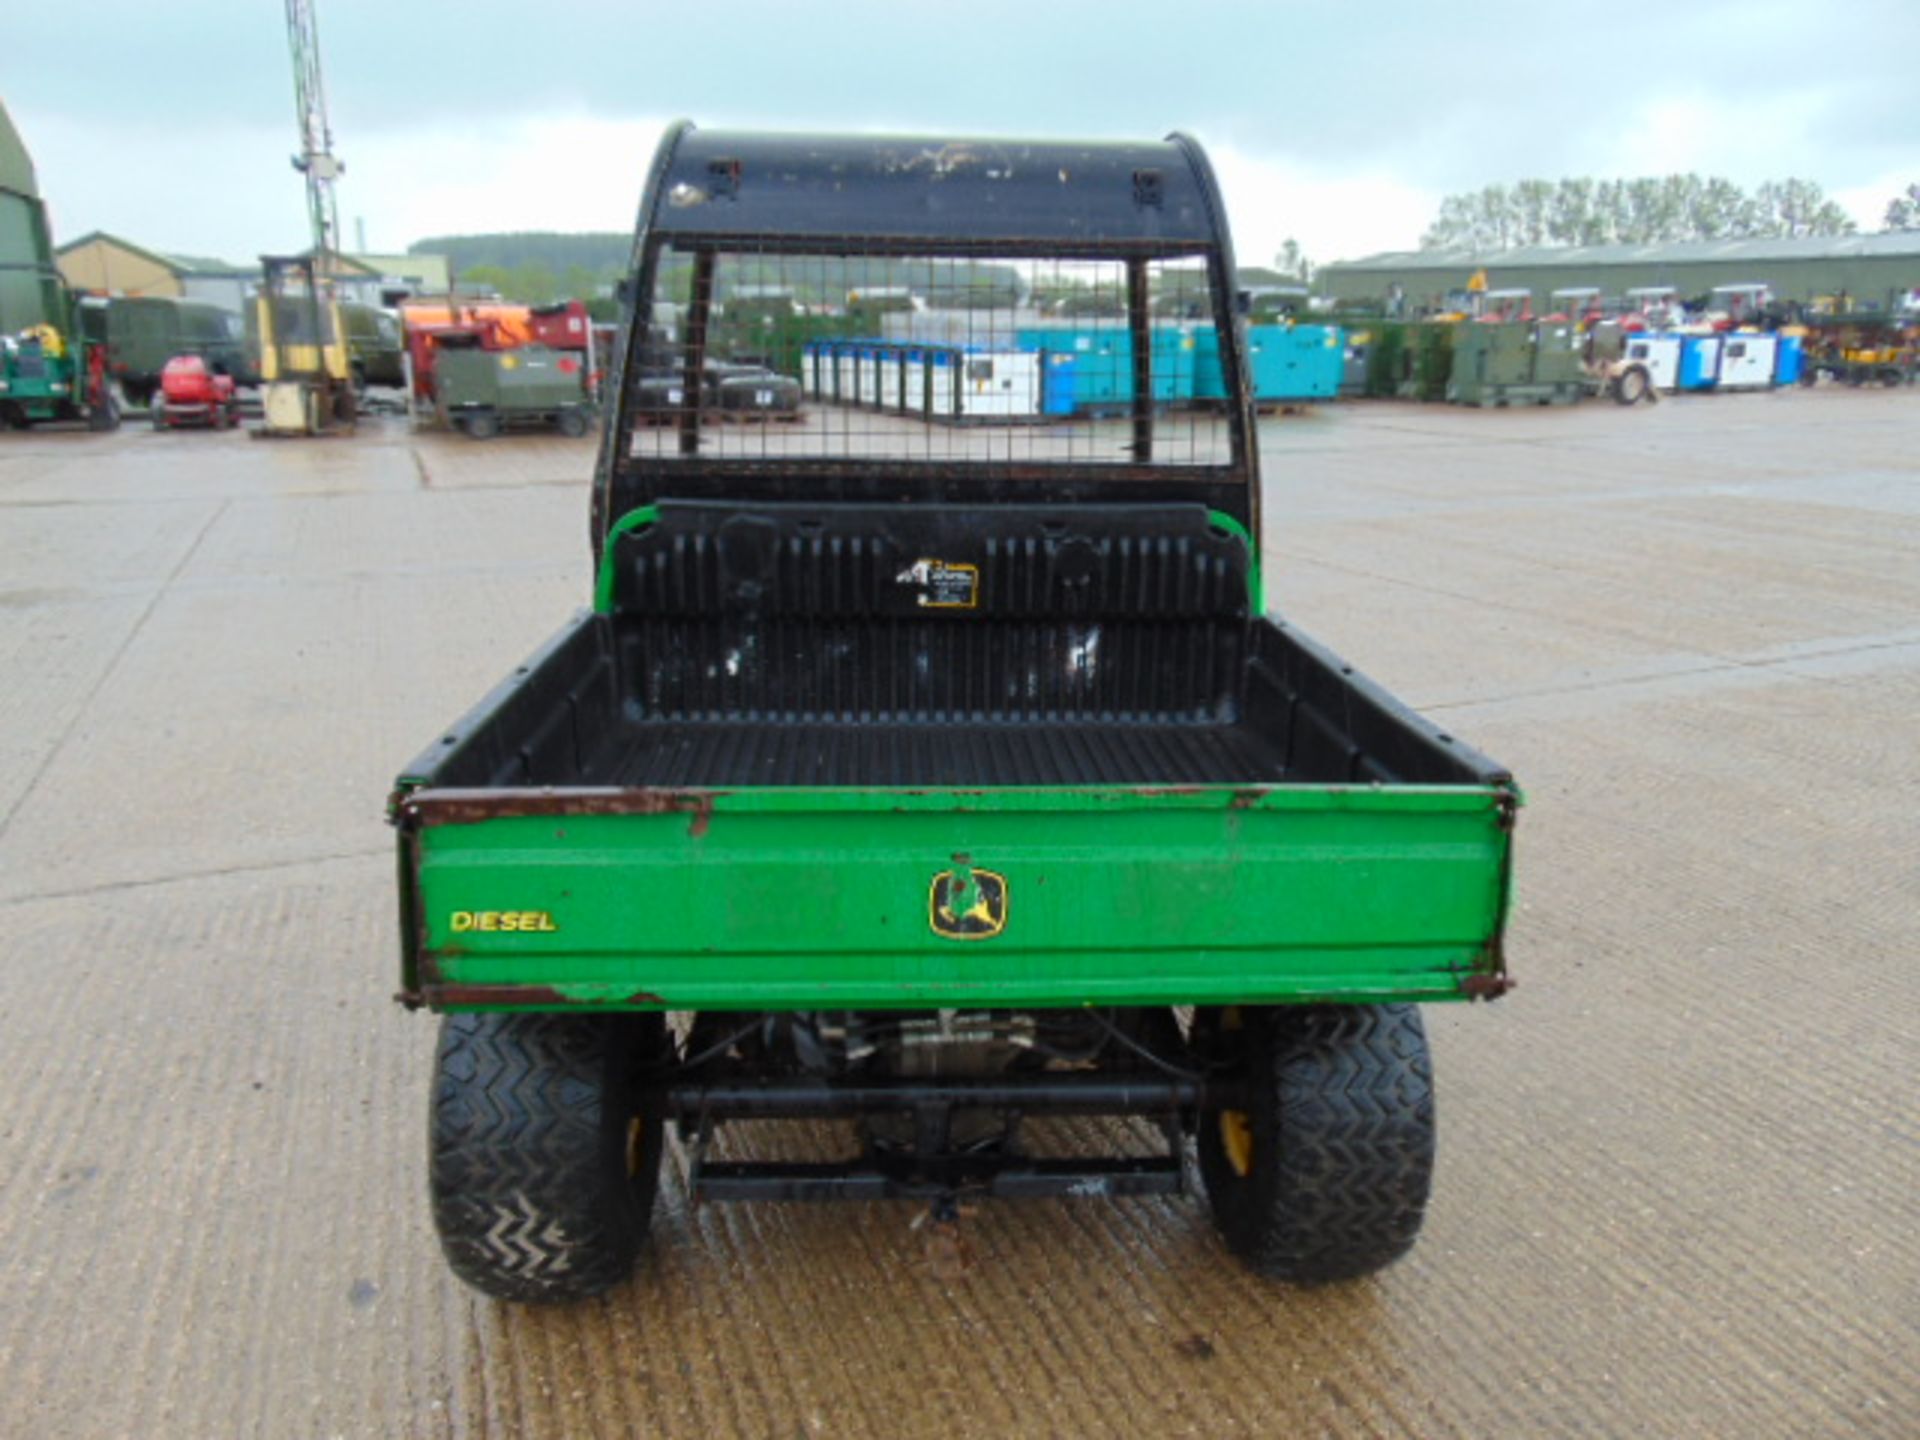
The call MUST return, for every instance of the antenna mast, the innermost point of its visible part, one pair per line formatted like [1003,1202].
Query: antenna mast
[315,160]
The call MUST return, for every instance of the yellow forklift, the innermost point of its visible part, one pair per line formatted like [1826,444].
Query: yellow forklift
[305,372]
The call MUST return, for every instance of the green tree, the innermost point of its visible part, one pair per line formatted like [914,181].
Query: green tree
[531,284]
[1643,210]
[1293,263]
[1798,207]
[487,277]
[1903,211]
[579,283]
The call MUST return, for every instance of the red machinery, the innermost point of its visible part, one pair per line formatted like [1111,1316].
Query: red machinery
[194,393]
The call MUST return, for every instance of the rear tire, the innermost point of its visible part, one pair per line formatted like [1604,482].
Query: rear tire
[543,1168]
[1325,1175]
[1632,386]
[572,423]
[480,425]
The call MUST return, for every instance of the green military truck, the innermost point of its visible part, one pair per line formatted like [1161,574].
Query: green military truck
[938,780]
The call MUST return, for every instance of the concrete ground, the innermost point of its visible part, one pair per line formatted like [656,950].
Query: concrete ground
[1679,1184]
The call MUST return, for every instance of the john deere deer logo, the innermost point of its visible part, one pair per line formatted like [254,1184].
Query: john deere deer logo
[967,904]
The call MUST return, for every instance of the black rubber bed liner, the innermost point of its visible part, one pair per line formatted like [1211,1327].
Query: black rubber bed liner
[822,646]
[740,754]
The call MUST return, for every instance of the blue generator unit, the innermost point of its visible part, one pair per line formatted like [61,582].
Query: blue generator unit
[1789,360]
[1700,361]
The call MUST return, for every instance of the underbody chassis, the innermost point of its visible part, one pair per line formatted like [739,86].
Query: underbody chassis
[943,1138]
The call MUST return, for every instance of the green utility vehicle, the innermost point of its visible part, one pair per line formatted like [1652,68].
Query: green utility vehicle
[937,779]
[482,391]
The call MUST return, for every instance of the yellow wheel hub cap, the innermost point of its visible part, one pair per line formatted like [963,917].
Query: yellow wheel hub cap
[1236,1138]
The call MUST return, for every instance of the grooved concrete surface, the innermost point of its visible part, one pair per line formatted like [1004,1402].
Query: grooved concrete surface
[1679,1167]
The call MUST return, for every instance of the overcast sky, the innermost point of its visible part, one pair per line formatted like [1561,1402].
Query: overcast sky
[1341,124]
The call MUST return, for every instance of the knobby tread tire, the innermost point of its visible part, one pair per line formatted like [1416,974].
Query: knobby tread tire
[1341,1109]
[528,1135]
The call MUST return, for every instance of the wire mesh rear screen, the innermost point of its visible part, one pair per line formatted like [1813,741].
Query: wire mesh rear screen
[937,359]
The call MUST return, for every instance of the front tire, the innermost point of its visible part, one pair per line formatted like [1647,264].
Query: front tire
[1632,386]
[1324,1175]
[543,1162]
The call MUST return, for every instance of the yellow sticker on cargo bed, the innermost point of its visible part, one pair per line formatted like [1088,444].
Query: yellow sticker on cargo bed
[943,584]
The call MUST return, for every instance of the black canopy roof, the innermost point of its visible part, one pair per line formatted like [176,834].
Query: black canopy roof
[1057,193]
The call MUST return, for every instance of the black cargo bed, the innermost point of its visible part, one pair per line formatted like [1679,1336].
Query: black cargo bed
[598,706]
[746,753]
[1075,646]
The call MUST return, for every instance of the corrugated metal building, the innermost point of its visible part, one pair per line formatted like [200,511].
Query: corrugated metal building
[29,286]
[1875,271]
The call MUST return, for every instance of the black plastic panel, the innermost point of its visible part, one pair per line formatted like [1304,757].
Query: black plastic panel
[1159,562]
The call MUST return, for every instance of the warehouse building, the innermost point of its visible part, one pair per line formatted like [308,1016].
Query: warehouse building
[103,264]
[1865,272]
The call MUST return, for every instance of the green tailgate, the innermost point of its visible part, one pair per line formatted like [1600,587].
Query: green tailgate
[831,898]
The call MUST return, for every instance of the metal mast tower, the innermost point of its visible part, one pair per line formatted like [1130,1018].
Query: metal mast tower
[315,160]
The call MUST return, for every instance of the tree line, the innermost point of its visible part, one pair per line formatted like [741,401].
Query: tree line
[1643,211]
[1648,210]
[1903,211]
